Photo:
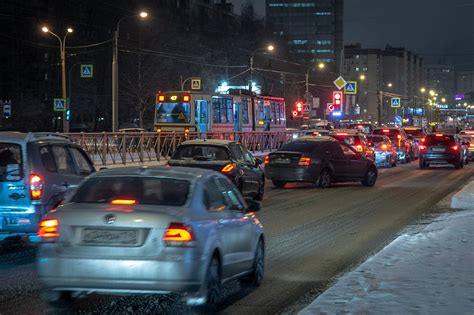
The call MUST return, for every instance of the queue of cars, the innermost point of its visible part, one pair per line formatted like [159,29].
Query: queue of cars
[114,231]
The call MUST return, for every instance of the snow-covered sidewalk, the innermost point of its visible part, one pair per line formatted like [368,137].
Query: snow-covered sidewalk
[431,272]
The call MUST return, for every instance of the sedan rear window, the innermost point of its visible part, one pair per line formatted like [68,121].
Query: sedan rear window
[391,133]
[439,140]
[143,190]
[301,146]
[10,162]
[201,152]
[350,140]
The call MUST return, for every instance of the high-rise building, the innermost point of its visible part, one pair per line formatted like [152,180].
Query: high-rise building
[464,82]
[313,29]
[440,77]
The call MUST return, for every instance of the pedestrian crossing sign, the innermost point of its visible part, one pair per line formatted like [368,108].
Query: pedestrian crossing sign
[87,71]
[350,87]
[59,104]
[395,102]
[195,83]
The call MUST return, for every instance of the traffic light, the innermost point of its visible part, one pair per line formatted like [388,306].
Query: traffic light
[337,101]
[68,114]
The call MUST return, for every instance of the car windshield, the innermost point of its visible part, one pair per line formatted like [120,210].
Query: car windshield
[390,133]
[301,146]
[201,152]
[375,139]
[415,132]
[144,190]
[364,128]
[10,162]
[350,140]
[439,140]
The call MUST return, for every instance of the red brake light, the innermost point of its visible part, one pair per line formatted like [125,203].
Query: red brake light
[455,147]
[385,130]
[48,228]
[399,137]
[422,140]
[384,147]
[178,234]
[439,135]
[422,147]
[123,202]
[359,148]
[228,168]
[266,160]
[304,161]
[36,186]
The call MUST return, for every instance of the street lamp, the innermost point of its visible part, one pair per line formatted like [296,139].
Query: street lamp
[432,93]
[321,66]
[443,100]
[251,83]
[389,84]
[422,90]
[62,50]
[362,77]
[115,85]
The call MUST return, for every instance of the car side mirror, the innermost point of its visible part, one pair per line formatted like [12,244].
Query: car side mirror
[103,168]
[252,206]
[258,161]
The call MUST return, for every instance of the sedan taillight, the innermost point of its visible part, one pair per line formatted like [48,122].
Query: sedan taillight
[178,234]
[48,230]
[304,161]
[228,168]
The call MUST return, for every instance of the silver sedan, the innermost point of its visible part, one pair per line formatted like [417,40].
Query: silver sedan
[151,231]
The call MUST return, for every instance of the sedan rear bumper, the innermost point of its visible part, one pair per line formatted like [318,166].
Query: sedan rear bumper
[120,275]
[291,174]
[440,157]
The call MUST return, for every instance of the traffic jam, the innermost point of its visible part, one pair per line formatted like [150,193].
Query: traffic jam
[191,225]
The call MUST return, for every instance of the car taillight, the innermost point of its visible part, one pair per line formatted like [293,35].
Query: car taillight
[385,130]
[359,148]
[399,137]
[383,147]
[36,186]
[48,229]
[422,147]
[422,140]
[471,145]
[266,160]
[439,135]
[228,168]
[123,202]
[304,161]
[178,234]
[455,147]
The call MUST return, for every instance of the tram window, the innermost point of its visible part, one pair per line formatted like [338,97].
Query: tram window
[245,111]
[230,110]
[173,112]
[260,115]
[222,108]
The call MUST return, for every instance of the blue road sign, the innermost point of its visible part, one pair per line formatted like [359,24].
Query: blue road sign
[59,104]
[87,71]
[7,109]
[397,120]
[350,87]
[395,102]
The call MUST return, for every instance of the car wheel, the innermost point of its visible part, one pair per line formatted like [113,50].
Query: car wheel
[261,192]
[370,177]
[278,183]
[457,165]
[256,277]
[212,284]
[324,179]
[422,163]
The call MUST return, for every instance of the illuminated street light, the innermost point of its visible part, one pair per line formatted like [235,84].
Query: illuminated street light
[389,84]
[143,14]
[270,48]
[465,104]
[432,93]
[45,29]
[443,100]
[69,30]
[422,90]
[321,66]
[362,77]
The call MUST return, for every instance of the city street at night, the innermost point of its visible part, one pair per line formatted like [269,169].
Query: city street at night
[312,236]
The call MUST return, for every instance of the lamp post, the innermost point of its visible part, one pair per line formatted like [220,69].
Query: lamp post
[115,81]
[62,50]
[268,48]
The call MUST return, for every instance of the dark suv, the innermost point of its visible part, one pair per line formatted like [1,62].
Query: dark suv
[400,141]
[36,170]
[440,148]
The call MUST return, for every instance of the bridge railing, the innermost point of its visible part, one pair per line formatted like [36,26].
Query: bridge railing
[107,148]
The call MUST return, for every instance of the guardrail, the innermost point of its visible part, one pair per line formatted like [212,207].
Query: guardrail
[132,147]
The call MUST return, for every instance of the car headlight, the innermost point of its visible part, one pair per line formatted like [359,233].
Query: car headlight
[295,136]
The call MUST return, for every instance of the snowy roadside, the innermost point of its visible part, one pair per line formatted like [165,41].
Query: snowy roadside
[431,272]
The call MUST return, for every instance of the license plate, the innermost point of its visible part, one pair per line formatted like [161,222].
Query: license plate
[282,161]
[438,149]
[109,237]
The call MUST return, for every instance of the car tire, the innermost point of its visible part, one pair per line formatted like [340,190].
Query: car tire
[256,276]
[261,192]
[370,177]
[278,183]
[422,163]
[212,285]
[457,165]
[324,179]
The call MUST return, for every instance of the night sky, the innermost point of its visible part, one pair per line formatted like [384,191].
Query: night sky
[439,30]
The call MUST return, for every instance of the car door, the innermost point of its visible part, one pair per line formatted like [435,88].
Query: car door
[355,163]
[228,232]
[339,161]
[252,169]
[242,256]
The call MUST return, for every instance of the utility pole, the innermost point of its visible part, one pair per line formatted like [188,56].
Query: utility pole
[252,101]
[115,82]
[379,108]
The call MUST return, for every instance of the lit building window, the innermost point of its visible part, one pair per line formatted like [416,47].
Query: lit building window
[323,13]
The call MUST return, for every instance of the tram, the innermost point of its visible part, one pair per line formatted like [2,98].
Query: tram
[191,111]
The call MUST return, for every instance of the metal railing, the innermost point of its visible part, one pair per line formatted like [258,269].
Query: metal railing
[138,147]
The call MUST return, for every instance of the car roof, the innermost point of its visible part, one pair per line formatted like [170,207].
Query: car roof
[177,172]
[351,132]
[208,141]
[21,137]
[316,138]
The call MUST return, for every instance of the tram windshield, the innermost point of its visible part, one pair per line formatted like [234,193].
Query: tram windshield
[173,112]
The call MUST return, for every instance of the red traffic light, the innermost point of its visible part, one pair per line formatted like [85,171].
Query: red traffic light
[337,99]
[299,106]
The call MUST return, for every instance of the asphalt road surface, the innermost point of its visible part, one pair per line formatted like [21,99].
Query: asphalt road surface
[312,235]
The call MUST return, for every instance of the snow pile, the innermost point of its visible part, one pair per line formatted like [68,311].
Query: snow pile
[431,272]
[464,199]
